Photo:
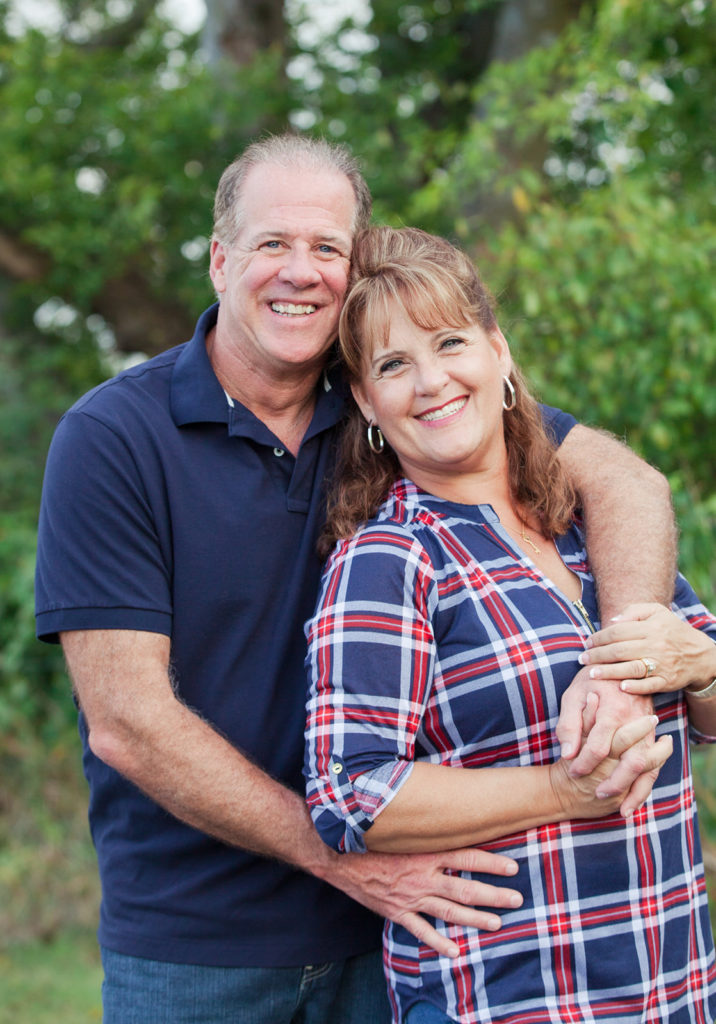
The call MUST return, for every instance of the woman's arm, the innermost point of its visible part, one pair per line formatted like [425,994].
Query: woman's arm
[372,660]
[439,805]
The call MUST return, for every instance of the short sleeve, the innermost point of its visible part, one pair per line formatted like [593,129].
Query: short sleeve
[371,658]
[557,423]
[101,562]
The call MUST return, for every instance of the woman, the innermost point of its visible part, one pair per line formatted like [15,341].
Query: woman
[448,626]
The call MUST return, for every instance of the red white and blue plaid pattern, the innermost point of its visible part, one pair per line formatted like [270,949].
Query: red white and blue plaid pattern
[436,639]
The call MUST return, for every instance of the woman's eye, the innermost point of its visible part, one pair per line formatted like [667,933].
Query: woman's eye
[390,365]
[451,342]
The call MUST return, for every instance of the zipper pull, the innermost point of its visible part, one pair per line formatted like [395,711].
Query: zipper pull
[585,615]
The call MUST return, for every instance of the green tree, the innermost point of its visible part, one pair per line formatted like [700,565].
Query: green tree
[566,145]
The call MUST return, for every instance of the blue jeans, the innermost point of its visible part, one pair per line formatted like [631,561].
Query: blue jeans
[139,991]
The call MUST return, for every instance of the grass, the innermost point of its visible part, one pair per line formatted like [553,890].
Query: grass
[56,982]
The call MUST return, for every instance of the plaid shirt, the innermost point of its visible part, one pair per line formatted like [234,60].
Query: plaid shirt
[436,639]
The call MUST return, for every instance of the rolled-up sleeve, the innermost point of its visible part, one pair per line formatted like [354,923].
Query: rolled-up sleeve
[370,662]
[687,605]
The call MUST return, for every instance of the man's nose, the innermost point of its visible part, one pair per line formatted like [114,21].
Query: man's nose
[299,268]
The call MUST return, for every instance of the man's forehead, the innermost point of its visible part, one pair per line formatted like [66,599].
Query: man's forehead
[323,195]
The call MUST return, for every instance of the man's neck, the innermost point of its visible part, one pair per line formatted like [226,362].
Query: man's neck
[284,402]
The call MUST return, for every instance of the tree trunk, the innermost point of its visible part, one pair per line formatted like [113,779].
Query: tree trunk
[521,26]
[237,30]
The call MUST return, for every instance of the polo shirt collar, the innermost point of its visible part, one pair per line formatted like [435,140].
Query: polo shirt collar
[198,397]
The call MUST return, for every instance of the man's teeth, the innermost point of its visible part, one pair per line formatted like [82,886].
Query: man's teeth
[289,309]
[447,410]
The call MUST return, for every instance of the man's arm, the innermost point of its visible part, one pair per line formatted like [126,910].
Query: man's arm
[138,726]
[631,533]
[631,540]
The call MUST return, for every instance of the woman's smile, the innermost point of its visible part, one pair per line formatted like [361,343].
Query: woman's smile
[443,412]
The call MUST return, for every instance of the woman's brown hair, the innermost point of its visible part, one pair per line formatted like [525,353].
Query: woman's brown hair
[437,286]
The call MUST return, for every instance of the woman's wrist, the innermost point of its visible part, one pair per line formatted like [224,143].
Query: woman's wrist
[705,687]
[701,692]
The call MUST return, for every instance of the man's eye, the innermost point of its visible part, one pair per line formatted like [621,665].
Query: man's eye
[273,243]
[327,249]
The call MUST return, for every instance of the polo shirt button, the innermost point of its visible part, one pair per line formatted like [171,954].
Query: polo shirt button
[278,452]
[337,768]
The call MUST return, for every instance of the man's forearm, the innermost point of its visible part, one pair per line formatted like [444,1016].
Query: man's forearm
[631,534]
[137,725]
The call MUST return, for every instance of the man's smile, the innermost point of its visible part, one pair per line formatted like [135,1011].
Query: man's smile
[291,309]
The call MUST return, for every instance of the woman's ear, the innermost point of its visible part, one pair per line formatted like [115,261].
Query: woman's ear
[502,349]
[362,402]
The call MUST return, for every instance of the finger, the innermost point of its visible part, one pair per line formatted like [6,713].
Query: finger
[637,762]
[617,632]
[471,893]
[595,748]
[472,859]
[643,785]
[639,611]
[616,651]
[631,733]
[457,913]
[570,725]
[589,717]
[428,935]
[638,794]
[632,669]
[451,913]
[644,687]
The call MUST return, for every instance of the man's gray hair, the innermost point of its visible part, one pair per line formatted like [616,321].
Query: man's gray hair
[288,151]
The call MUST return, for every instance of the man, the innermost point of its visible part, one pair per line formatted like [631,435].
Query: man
[176,563]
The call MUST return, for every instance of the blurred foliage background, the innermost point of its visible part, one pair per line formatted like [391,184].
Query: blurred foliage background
[566,144]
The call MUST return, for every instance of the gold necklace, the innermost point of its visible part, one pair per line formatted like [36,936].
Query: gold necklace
[525,538]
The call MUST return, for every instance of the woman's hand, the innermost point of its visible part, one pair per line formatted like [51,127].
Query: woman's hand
[577,794]
[647,635]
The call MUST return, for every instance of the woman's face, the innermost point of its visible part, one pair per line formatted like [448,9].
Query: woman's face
[437,397]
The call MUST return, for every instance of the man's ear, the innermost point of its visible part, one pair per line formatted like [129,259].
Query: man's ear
[216,266]
[362,402]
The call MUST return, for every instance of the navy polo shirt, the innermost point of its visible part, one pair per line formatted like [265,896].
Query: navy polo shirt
[164,509]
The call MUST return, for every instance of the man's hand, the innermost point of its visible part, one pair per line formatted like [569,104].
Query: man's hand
[403,887]
[681,654]
[586,730]
[581,796]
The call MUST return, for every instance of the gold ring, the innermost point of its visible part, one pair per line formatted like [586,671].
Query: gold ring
[649,666]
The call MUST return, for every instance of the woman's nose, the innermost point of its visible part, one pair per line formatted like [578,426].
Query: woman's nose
[431,377]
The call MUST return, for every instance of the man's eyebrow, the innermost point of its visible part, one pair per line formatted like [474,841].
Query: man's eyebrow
[342,240]
[268,233]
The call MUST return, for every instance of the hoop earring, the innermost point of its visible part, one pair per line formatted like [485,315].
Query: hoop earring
[375,446]
[513,397]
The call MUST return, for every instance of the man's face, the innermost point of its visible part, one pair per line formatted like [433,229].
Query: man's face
[282,282]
